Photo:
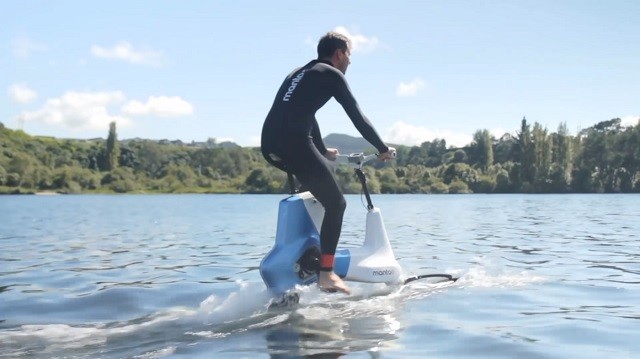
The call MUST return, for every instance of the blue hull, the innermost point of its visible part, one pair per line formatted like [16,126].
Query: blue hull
[296,234]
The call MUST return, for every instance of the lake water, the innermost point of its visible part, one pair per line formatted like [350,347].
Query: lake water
[176,276]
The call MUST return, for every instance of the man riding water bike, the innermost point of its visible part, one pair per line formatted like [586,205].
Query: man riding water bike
[291,139]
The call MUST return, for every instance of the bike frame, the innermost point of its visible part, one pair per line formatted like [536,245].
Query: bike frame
[294,259]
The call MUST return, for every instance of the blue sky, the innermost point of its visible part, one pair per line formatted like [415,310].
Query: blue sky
[420,70]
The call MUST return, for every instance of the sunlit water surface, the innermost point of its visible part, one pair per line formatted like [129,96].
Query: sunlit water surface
[137,276]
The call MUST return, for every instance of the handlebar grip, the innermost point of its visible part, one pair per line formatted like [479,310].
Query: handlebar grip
[393,151]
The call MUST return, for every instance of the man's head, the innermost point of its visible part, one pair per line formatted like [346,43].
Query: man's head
[336,48]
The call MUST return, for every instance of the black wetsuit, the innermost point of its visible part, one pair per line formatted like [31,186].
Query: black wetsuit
[291,138]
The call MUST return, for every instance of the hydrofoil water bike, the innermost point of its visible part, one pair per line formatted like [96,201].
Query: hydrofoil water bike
[294,259]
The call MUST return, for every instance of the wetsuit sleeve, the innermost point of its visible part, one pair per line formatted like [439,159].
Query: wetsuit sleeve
[317,138]
[344,96]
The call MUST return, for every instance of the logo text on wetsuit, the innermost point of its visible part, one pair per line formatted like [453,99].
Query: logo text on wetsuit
[383,272]
[292,87]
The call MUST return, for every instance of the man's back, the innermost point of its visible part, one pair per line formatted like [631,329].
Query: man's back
[300,96]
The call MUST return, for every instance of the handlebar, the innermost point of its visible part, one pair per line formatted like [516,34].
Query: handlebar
[357,160]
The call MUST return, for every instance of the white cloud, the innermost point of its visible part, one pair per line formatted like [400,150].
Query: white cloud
[125,51]
[163,106]
[79,111]
[409,88]
[21,93]
[23,47]
[403,133]
[360,43]
[629,120]
[254,141]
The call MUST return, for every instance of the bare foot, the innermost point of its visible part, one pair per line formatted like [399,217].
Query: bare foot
[329,281]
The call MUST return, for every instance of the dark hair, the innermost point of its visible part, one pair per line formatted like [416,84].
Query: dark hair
[332,41]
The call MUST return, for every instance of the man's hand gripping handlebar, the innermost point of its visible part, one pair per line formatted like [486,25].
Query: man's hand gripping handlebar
[391,153]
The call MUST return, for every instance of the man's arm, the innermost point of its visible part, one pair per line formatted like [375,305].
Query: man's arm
[317,138]
[344,96]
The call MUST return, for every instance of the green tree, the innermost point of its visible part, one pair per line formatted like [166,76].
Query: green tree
[439,187]
[458,187]
[23,165]
[152,158]
[459,156]
[3,174]
[459,171]
[542,150]
[504,149]
[73,179]
[503,179]
[388,179]
[562,162]
[435,152]
[347,180]
[483,145]
[257,181]
[484,184]
[113,148]
[600,157]
[525,155]
[120,180]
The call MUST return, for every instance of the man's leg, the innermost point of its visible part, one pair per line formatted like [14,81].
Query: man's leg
[319,180]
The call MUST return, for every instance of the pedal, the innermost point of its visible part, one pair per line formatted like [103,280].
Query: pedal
[308,264]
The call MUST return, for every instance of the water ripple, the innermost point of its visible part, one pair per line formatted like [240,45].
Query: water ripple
[147,276]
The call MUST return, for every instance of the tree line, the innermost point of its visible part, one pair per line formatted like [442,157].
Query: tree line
[604,158]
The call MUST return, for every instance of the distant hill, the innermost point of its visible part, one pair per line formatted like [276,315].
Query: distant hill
[211,143]
[348,144]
